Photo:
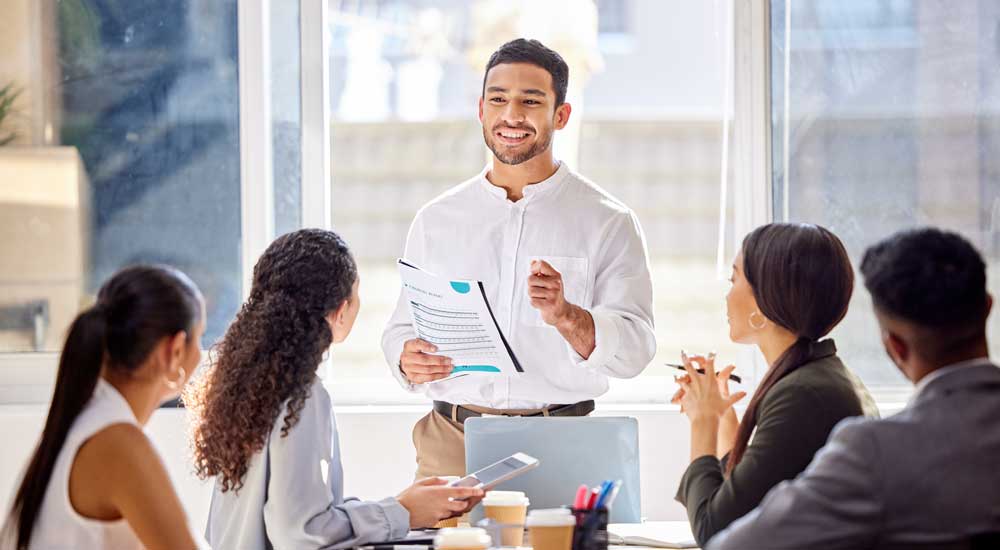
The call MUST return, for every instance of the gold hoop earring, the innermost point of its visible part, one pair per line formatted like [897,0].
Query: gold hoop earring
[175,385]
[763,321]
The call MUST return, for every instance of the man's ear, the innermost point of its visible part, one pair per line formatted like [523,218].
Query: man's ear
[897,348]
[562,115]
[480,109]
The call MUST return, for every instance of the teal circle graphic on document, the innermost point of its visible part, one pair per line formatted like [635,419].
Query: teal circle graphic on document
[461,288]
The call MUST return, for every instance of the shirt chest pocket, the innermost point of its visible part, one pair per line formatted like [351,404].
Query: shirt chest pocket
[576,284]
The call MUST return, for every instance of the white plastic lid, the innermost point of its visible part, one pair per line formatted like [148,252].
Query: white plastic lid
[505,498]
[550,517]
[462,537]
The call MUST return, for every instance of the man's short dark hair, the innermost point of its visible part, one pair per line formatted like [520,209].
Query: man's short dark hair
[929,277]
[534,53]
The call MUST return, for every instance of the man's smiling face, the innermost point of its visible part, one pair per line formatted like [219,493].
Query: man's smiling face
[518,112]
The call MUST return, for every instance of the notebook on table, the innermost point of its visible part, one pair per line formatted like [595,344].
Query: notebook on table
[653,534]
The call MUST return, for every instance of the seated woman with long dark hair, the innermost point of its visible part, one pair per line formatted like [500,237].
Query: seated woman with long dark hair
[791,285]
[264,422]
[95,480]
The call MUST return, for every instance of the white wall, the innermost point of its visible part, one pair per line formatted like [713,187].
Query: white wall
[377,452]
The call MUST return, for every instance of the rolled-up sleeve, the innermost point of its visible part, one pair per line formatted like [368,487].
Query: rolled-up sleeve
[305,507]
[399,328]
[622,305]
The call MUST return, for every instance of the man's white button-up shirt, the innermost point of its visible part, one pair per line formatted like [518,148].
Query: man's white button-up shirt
[474,232]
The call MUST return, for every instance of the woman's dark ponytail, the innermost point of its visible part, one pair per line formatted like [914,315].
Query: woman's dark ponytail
[802,280]
[79,368]
[794,357]
[136,308]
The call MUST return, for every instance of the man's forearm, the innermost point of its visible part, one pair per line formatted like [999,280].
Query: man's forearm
[578,329]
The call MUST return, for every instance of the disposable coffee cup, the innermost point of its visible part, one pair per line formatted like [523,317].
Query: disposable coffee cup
[551,529]
[462,538]
[450,522]
[508,508]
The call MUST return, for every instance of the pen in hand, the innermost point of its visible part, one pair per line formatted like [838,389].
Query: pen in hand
[732,377]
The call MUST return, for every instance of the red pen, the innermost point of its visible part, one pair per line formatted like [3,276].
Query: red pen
[592,500]
[581,498]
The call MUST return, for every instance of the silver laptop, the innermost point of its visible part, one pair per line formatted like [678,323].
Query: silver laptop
[571,451]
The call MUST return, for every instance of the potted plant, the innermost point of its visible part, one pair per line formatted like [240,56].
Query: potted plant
[8,95]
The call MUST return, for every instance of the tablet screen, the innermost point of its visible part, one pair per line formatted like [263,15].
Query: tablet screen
[499,470]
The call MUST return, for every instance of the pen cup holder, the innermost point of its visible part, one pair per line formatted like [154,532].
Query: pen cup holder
[591,531]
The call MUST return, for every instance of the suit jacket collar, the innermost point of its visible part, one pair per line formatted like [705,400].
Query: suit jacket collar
[961,376]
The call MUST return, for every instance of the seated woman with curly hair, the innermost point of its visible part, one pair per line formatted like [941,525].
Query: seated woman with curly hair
[264,425]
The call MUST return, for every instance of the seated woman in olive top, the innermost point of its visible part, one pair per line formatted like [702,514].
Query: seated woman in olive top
[791,286]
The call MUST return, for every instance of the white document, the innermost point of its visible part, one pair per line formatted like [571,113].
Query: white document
[455,316]
[652,534]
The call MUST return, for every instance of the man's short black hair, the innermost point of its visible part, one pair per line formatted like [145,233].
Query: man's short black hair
[534,53]
[929,277]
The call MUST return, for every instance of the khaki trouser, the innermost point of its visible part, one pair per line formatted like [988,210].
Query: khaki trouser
[440,442]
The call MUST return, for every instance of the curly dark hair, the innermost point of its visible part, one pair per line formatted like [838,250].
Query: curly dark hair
[270,353]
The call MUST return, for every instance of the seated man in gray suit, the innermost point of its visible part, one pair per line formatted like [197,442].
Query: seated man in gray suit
[930,475]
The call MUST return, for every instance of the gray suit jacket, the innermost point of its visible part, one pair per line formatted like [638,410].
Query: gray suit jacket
[928,475]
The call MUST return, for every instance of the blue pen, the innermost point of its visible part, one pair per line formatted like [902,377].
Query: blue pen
[614,493]
[603,494]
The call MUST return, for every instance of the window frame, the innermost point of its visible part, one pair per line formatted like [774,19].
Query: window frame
[888,397]
[28,377]
[256,162]
[751,183]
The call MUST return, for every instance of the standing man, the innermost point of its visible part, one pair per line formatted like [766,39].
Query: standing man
[563,263]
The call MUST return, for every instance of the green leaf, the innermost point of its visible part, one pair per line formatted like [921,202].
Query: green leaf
[8,95]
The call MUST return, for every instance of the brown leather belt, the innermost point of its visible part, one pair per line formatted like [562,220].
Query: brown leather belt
[461,414]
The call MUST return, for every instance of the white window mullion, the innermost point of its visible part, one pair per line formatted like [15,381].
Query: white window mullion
[753,116]
[752,198]
[256,164]
[315,47]
[787,114]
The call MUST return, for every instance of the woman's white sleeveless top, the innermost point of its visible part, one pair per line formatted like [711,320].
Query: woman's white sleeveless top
[59,525]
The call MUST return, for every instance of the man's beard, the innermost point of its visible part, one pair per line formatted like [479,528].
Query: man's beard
[513,159]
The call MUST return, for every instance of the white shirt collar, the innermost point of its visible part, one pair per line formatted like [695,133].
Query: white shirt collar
[944,371]
[543,187]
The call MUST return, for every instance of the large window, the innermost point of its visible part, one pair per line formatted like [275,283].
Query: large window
[126,151]
[886,115]
[126,120]
[194,131]
[646,126]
